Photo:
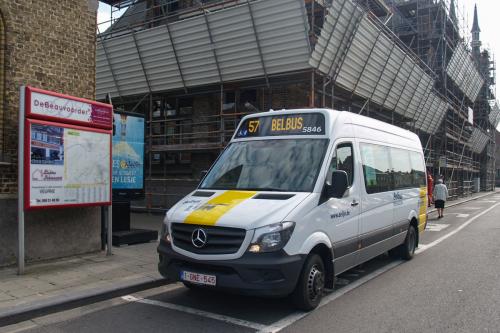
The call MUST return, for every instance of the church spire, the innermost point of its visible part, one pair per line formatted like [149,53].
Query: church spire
[475,23]
[476,43]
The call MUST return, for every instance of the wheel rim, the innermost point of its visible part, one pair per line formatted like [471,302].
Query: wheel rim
[315,283]
[411,241]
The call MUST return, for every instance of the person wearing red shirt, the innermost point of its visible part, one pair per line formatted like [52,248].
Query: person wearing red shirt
[430,187]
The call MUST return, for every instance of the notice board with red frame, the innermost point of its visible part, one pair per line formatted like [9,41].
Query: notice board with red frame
[67,151]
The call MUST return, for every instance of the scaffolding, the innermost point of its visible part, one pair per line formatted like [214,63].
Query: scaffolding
[194,68]
[462,146]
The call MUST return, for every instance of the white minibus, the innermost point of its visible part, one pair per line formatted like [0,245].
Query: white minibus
[295,199]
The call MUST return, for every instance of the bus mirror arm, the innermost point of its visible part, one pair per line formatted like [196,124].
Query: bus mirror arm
[338,186]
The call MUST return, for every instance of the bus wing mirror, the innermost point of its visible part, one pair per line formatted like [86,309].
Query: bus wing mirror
[339,184]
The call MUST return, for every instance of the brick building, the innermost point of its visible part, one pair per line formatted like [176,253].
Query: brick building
[49,45]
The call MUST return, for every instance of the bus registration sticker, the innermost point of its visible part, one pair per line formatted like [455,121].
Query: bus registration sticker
[205,279]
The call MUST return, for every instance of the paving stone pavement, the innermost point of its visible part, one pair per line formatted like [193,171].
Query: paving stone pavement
[76,275]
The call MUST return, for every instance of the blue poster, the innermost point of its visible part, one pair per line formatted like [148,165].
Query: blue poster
[128,152]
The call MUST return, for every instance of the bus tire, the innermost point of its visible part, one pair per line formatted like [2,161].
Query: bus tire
[410,244]
[309,290]
[407,249]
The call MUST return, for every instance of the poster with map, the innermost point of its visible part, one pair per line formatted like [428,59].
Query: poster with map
[67,165]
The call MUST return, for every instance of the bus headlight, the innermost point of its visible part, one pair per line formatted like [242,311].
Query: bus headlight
[271,237]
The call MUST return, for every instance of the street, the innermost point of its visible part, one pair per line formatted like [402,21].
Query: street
[451,285]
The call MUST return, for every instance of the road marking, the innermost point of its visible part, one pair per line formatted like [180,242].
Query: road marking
[463,215]
[290,319]
[436,226]
[489,201]
[206,314]
[425,247]
[471,208]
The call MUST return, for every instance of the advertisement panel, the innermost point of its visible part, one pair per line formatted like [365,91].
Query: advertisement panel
[51,106]
[66,165]
[128,155]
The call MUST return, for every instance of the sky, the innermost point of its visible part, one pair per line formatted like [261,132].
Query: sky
[104,16]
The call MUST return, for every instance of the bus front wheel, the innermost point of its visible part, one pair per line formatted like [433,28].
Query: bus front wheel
[309,290]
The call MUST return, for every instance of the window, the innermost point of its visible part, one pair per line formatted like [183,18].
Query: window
[401,168]
[186,106]
[418,169]
[387,168]
[343,160]
[289,165]
[248,101]
[376,168]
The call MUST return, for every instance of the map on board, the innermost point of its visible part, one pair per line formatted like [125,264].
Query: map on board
[68,166]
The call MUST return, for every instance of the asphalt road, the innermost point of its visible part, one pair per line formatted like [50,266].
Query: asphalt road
[452,285]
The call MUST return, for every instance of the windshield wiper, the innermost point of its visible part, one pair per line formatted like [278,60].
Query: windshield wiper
[262,189]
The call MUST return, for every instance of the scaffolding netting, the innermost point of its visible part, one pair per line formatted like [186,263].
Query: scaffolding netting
[478,140]
[462,70]
[374,67]
[254,39]
[265,37]
[494,115]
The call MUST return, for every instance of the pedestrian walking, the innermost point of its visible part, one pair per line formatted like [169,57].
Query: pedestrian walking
[440,196]
[430,187]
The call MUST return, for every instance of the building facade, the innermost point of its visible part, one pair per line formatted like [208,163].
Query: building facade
[194,68]
[48,45]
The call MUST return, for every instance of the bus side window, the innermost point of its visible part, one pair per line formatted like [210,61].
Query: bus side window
[343,159]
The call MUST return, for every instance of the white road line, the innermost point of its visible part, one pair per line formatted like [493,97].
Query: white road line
[489,201]
[206,314]
[463,215]
[424,247]
[436,226]
[289,320]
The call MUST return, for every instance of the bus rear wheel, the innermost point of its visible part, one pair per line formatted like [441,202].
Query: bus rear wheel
[407,249]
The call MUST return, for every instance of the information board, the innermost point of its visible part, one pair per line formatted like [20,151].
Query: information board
[128,156]
[51,106]
[66,165]
[283,124]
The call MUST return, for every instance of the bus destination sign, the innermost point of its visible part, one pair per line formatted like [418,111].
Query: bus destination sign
[284,124]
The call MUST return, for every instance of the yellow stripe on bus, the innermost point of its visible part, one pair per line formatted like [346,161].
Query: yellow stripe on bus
[210,212]
[422,213]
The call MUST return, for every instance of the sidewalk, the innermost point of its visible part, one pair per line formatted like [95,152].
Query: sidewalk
[55,285]
[459,201]
[74,281]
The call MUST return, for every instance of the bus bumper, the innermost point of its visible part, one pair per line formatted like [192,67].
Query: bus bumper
[271,274]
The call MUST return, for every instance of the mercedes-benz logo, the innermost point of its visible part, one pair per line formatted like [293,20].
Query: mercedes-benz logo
[199,238]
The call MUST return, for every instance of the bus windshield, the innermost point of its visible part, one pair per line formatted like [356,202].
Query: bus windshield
[288,165]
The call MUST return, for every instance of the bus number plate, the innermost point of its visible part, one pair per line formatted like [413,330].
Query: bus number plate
[197,278]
